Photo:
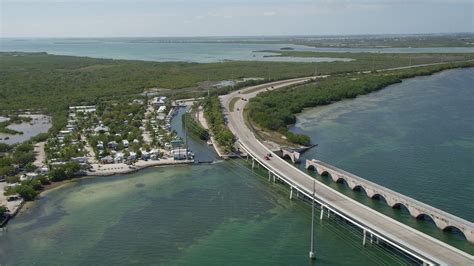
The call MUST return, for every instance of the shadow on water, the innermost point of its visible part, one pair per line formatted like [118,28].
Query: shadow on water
[201,149]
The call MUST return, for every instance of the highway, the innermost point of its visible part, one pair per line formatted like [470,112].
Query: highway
[412,241]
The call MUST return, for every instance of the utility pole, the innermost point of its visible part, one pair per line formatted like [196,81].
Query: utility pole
[208,85]
[232,79]
[186,135]
[311,252]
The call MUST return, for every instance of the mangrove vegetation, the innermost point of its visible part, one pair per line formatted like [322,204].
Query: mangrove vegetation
[275,110]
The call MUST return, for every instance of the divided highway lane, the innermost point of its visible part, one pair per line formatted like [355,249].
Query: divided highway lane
[406,237]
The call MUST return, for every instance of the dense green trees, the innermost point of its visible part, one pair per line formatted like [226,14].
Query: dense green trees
[5,147]
[23,154]
[215,118]
[3,211]
[6,167]
[53,82]
[63,172]
[27,191]
[39,80]
[275,110]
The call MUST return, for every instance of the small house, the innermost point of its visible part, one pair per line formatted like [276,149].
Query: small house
[118,157]
[177,143]
[132,156]
[106,160]
[180,154]
[112,145]
[42,170]
[158,101]
[125,143]
[100,145]
[101,129]
[80,160]
[161,109]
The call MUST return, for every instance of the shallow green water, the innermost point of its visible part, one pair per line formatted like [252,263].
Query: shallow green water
[416,137]
[201,50]
[224,213]
[209,214]
[204,215]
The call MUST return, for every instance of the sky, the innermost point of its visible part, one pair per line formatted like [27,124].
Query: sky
[170,18]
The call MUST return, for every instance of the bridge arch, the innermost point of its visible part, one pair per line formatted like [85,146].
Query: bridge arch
[380,197]
[325,173]
[337,178]
[425,217]
[311,167]
[292,155]
[340,179]
[286,155]
[400,206]
[359,188]
[455,230]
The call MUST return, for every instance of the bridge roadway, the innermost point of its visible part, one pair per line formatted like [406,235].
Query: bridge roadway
[426,248]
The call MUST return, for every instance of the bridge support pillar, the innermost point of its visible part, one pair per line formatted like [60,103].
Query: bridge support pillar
[371,238]
[253,163]
[322,213]
[469,236]
[269,176]
[365,236]
[291,193]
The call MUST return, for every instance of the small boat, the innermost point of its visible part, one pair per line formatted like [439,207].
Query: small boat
[209,142]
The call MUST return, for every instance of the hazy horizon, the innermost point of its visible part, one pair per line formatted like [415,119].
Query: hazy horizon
[249,36]
[231,18]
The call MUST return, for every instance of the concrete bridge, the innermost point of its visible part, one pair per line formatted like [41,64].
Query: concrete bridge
[284,153]
[417,209]
[372,224]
